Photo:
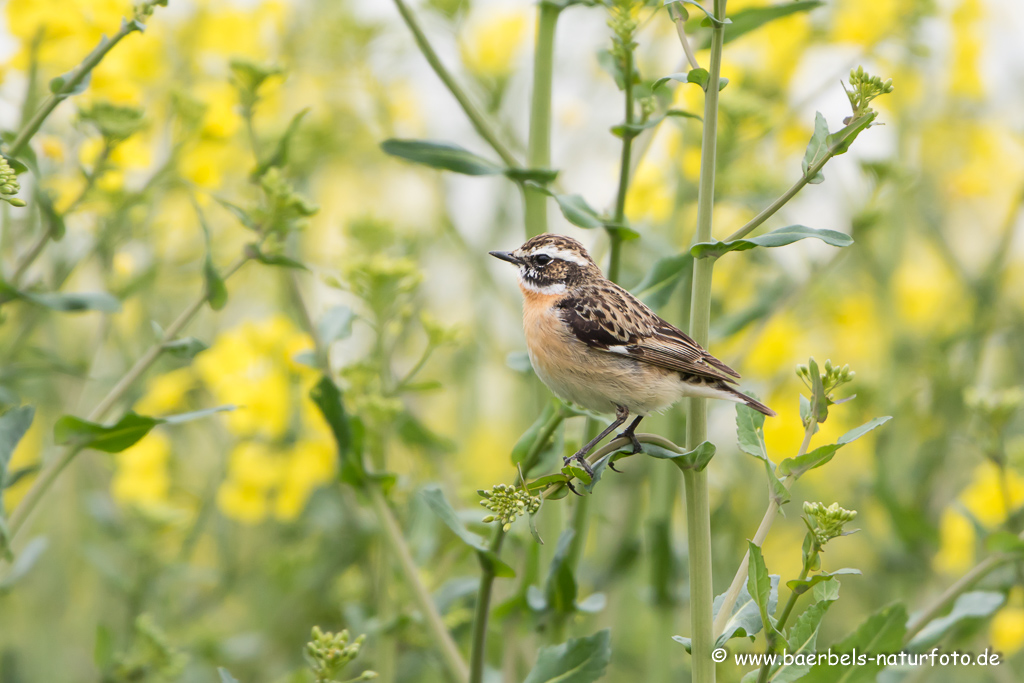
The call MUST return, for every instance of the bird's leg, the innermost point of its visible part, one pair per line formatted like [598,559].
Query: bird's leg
[629,432]
[621,413]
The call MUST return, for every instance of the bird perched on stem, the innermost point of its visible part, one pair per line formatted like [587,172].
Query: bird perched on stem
[596,345]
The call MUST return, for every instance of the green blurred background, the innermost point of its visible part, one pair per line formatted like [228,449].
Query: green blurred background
[222,542]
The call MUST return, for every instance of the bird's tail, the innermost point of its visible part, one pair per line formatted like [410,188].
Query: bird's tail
[751,401]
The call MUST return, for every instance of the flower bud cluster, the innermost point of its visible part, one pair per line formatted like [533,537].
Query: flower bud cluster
[832,377]
[9,185]
[328,653]
[863,88]
[507,503]
[828,521]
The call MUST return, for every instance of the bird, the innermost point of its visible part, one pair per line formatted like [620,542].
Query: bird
[596,345]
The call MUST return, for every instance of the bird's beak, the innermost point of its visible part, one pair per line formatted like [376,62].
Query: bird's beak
[506,256]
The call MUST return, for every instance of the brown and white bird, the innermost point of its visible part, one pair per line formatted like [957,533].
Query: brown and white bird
[596,345]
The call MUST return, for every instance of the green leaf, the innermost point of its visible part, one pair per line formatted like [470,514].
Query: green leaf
[802,640]
[69,302]
[858,432]
[560,589]
[537,176]
[254,252]
[750,431]
[437,502]
[442,155]
[327,398]
[826,590]
[808,461]
[775,238]
[661,280]
[698,76]
[800,587]
[680,77]
[709,17]
[580,660]
[24,562]
[186,348]
[881,632]
[696,460]
[216,290]
[13,425]
[225,675]
[107,438]
[577,211]
[125,432]
[819,401]
[840,141]
[972,605]
[745,619]
[238,212]
[280,155]
[335,324]
[611,65]
[687,644]
[542,483]
[817,149]
[1003,541]
[759,585]
[747,20]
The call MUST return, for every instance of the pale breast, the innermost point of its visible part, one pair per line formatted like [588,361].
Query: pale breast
[593,379]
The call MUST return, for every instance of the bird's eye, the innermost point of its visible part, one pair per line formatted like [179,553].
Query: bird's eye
[542,259]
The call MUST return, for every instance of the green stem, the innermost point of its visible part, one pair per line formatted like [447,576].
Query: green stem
[75,79]
[435,624]
[772,208]
[478,654]
[53,470]
[483,128]
[729,601]
[698,512]
[964,583]
[538,153]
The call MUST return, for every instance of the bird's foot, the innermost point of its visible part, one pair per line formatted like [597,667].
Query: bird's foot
[580,457]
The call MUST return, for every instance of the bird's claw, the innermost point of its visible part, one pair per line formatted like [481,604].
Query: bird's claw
[584,465]
[612,465]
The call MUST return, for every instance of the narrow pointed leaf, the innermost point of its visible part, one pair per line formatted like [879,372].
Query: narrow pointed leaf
[441,155]
[440,506]
[776,238]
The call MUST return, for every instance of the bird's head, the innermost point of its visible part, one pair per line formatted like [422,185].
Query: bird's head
[551,264]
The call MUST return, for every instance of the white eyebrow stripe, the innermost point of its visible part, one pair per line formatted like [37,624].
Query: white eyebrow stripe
[565,255]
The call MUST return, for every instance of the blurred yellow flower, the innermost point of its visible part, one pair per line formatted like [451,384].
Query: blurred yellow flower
[251,367]
[1007,628]
[490,41]
[986,499]
[72,28]
[166,393]
[650,195]
[866,23]
[957,539]
[142,477]
[310,465]
[965,74]
[928,295]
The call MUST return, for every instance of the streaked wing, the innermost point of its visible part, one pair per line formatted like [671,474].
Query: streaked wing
[609,318]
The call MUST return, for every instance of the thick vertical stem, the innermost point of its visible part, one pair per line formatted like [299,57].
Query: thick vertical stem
[482,612]
[538,154]
[698,511]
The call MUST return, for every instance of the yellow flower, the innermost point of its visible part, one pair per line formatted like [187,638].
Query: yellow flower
[965,75]
[957,539]
[206,161]
[243,503]
[490,42]
[984,498]
[1007,628]
[142,477]
[866,23]
[928,296]
[310,465]
[166,393]
[650,195]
